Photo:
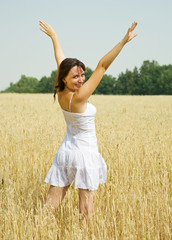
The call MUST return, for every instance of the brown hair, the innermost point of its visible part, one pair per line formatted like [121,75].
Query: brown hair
[63,71]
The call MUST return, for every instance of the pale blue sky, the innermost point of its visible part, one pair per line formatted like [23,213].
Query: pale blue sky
[87,30]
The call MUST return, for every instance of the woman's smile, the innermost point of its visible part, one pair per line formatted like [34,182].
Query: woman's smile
[79,85]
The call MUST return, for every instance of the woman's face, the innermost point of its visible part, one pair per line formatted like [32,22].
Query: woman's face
[75,78]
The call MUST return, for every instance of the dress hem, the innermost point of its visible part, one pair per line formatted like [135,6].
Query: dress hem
[75,186]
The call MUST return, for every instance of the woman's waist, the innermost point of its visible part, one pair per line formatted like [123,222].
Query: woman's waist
[81,140]
[80,144]
[80,133]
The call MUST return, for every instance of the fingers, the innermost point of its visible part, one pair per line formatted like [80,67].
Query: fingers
[44,27]
[135,35]
[43,24]
[134,24]
[43,30]
[129,30]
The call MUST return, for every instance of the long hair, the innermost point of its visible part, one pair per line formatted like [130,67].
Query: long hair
[63,71]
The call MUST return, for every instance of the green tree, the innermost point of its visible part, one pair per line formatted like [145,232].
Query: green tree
[149,79]
[24,85]
[149,73]
[106,85]
[88,73]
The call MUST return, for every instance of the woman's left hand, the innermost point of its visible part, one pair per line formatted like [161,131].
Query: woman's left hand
[129,36]
[47,29]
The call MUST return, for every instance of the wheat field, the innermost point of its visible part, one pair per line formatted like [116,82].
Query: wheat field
[134,136]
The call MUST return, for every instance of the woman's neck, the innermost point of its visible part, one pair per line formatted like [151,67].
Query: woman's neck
[68,89]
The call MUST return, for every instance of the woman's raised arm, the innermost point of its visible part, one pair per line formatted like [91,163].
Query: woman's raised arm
[106,61]
[89,86]
[59,55]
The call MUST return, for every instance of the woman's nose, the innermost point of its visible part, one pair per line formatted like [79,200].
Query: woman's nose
[80,79]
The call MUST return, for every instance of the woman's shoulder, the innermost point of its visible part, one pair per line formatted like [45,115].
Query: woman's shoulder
[70,98]
[64,98]
[64,94]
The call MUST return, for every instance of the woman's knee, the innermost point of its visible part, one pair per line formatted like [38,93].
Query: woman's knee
[55,195]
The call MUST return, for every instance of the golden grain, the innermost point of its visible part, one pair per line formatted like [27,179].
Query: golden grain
[135,138]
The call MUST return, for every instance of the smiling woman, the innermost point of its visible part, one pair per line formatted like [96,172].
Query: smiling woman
[78,160]
[71,75]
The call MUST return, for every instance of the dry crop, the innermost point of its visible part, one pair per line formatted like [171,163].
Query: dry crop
[134,137]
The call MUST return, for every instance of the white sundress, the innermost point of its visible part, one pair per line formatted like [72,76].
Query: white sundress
[78,160]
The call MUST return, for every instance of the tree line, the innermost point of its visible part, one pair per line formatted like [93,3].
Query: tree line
[149,79]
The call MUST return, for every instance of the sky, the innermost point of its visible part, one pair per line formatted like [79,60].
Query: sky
[87,30]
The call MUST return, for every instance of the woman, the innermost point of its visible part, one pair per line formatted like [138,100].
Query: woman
[78,161]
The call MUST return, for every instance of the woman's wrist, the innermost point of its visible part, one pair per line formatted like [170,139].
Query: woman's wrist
[54,35]
[123,42]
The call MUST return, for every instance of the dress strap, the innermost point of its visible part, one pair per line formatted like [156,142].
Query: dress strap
[70,102]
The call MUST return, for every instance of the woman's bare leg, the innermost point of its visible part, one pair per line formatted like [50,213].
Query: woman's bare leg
[55,196]
[86,203]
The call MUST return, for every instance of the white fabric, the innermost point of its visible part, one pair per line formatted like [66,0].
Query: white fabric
[78,160]
[70,102]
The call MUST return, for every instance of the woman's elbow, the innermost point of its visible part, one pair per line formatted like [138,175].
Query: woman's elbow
[101,66]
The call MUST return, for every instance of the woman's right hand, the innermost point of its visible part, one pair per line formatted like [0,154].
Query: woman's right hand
[46,28]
